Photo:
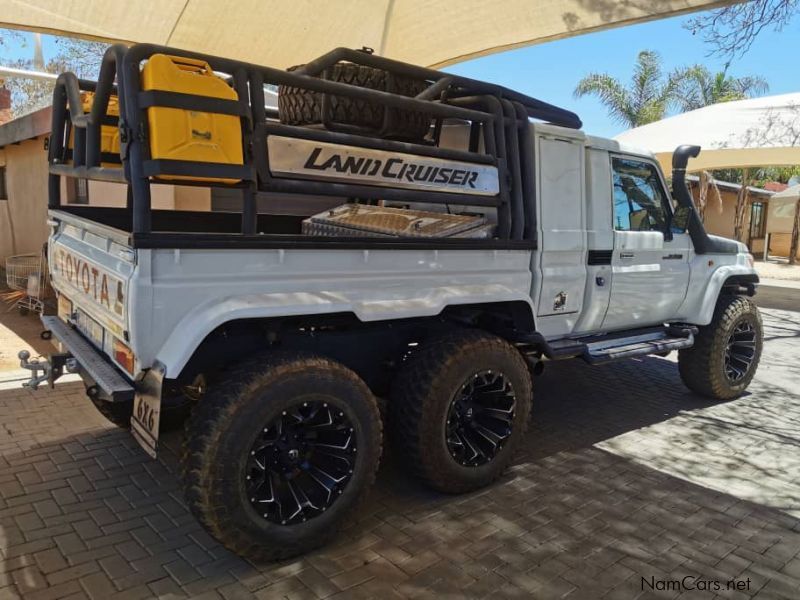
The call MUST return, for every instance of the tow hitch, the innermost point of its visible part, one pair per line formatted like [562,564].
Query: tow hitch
[50,369]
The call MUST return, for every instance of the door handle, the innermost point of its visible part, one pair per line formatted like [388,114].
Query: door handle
[672,257]
[626,255]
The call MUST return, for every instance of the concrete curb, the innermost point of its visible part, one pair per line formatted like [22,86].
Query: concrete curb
[785,283]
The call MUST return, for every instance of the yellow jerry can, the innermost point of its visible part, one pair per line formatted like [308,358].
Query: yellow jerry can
[179,134]
[109,134]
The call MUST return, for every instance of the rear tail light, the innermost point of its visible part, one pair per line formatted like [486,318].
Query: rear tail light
[123,356]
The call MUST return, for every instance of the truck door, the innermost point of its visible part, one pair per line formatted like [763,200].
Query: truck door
[650,275]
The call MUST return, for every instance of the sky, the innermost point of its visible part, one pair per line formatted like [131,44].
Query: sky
[550,71]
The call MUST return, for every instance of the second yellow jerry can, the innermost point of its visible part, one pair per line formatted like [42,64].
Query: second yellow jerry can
[109,134]
[179,134]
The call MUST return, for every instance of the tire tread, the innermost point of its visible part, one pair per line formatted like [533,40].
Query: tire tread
[299,106]
[697,365]
[204,428]
[411,396]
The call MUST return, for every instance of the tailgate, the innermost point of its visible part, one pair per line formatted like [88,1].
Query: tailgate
[91,267]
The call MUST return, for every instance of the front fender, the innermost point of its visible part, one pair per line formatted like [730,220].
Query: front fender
[196,325]
[707,301]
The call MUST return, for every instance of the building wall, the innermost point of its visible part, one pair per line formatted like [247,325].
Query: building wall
[103,193]
[719,220]
[192,198]
[780,244]
[23,216]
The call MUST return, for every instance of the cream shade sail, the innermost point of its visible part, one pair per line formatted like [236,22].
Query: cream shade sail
[781,210]
[746,133]
[281,33]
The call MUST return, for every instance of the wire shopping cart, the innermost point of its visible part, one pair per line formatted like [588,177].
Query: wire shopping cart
[27,274]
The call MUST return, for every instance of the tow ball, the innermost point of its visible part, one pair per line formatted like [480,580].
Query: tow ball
[50,369]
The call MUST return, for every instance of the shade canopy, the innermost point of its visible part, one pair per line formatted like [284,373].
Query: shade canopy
[746,133]
[281,33]
[782,207]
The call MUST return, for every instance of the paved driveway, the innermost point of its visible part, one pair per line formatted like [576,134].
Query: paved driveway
[627,486]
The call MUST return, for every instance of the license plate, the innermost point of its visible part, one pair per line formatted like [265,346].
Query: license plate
[90,328]
[144,421]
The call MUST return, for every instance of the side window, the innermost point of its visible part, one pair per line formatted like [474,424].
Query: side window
[639,197]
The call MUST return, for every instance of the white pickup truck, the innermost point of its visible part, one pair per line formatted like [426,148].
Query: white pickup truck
[400,234]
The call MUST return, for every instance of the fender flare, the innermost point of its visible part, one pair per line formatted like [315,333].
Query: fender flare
[196,325]
[722,276]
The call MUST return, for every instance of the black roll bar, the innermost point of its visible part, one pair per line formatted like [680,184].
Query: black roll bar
[497,117]
[105,86]
[536,109]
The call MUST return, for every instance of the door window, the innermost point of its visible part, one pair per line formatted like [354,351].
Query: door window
[639,197]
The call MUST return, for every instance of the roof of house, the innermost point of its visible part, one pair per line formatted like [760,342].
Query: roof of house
[775,186]
[26,127]
[733,187]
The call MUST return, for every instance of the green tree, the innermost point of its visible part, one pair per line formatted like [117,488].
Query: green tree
[27,95]
[758,177]
[647,98]
[699,87]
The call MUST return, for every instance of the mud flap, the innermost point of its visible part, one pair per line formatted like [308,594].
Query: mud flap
[147,409]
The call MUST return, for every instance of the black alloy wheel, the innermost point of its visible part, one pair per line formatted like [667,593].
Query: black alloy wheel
[480,418]
[740,351]
[301,463]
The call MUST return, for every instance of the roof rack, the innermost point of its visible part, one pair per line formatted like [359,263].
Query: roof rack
[500,137]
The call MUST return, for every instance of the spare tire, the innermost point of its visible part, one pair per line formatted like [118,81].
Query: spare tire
[299,106]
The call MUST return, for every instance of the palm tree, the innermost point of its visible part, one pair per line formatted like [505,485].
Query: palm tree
[699,87]
[647,99]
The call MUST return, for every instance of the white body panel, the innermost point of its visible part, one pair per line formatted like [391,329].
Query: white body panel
[191,292]
[561,257]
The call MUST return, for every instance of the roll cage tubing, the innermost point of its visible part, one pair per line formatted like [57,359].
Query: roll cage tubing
[498,117]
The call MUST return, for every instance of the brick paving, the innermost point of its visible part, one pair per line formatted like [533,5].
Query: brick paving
[625,476]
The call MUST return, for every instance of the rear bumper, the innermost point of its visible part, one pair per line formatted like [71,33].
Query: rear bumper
[94,368]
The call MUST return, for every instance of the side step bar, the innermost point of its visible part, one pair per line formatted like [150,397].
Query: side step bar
[598,349]
[603,351]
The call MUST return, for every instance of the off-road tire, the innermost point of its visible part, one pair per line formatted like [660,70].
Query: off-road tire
[226,422]
[298,106]
[421,398]
[702,367]
[173,415]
